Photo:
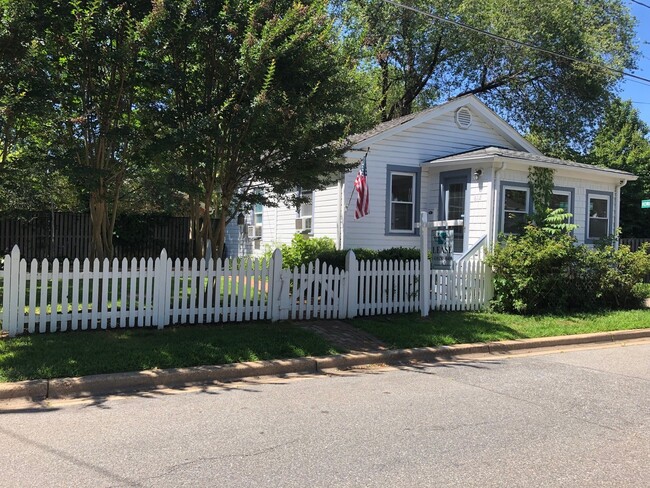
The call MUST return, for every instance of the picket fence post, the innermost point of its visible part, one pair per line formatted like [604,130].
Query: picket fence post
[161,291]
[275,285]
[10,296]
[352,283]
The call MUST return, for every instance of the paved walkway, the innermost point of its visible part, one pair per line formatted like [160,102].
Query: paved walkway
[344,336]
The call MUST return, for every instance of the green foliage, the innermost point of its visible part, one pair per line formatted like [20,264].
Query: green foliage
[415,61]
[558,222]
[251,96]
[303,250]
[544,270]
[337,258]
[540,181]
[622,142]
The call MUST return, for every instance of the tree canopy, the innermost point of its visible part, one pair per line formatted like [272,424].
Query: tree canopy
[207,107]
[622,142]
[414,60]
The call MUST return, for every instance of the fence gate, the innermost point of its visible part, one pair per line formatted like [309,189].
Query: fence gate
[316,291]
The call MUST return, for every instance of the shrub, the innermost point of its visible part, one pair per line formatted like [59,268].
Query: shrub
[305,250]
[544,270]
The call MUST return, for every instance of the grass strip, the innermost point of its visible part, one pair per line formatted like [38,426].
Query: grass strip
[93,352]
[446,328]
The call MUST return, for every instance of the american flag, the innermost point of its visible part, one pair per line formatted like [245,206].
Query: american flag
[361,185]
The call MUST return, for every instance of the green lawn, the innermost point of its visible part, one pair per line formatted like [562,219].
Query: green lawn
[445,328]
[93,352]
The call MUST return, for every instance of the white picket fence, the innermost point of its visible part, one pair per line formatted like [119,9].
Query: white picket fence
[44,296]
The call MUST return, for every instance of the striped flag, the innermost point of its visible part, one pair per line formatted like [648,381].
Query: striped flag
[361,185]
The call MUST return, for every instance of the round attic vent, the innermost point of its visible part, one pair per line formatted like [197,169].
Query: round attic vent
[463,118]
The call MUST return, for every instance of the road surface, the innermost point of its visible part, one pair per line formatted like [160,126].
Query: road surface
[573,418]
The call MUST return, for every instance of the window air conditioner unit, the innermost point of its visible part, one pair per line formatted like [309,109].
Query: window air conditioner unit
[303,224]
[254,231]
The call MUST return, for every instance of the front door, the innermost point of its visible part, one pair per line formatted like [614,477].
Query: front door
[454,207]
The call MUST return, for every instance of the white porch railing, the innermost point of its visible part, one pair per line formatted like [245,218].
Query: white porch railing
[44,296]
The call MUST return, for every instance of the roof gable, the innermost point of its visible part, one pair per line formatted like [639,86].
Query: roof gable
[395,126]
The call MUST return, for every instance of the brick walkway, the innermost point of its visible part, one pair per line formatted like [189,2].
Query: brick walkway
[345,336]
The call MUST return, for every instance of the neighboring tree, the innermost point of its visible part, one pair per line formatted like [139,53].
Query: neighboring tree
[252,94]
[417,61]
[622,142]
[75,100]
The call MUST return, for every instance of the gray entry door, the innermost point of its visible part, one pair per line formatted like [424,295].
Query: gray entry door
[455,208]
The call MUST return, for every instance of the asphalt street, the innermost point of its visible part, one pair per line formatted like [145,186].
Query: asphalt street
[573,418]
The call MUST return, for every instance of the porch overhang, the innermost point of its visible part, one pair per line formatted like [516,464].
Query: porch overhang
[494,156]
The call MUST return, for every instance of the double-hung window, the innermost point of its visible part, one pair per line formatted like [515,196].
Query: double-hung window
[258,212]
[306,210]
[561,199]
[598,217]
[516,207]
[402,201]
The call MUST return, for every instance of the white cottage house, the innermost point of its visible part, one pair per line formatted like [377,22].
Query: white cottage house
[458,162]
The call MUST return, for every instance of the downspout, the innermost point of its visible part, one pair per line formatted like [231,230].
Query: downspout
[617,210]
[494,232]
[339,213]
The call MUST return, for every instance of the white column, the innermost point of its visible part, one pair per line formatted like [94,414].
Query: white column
[425,267]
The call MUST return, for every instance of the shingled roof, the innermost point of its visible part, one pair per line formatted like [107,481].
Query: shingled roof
[487,152]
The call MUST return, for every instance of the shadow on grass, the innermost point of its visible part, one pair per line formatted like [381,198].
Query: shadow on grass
[83,353]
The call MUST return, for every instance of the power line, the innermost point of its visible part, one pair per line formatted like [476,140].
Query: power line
[516,43]
[640,3]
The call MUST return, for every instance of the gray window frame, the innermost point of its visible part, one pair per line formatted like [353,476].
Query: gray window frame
[416,173]
[513,185]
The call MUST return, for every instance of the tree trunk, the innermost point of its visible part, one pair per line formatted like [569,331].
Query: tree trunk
[101,245]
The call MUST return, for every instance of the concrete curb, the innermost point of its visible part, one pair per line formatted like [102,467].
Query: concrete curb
[148,380]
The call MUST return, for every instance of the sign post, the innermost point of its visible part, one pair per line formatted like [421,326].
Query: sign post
[645,203]
[442,247]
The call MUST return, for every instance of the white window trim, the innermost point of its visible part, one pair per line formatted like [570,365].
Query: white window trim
[503,204]
[413,177]
[598,196]
[310,216]
[256,213]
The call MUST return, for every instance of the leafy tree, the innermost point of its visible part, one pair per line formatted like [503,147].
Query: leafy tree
[417,61]
[252,94]
[75,102]
[622,142]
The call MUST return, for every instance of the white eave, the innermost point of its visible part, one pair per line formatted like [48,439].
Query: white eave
[494,155]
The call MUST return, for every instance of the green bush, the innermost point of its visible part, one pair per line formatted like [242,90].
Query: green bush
[304,250]
[544,270]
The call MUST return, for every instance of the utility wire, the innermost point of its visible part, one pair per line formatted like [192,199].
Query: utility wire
[640,3]
[514,42]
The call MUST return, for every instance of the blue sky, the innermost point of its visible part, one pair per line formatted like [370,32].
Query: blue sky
[637,91]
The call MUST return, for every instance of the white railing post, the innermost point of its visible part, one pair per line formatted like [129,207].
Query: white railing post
[275,284]
[425,267]
[161,288]
[352,269]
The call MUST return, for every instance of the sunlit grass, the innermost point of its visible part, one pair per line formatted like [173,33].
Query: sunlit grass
[445,328]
